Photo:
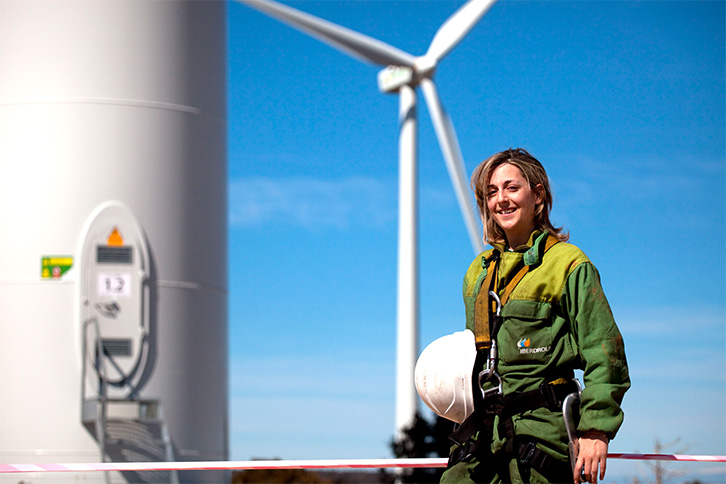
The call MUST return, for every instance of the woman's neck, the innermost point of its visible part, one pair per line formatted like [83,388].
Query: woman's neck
[515,240]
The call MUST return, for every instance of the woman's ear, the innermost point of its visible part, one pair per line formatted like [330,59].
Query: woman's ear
[540,192]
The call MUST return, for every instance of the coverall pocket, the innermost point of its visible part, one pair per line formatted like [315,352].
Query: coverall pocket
[526,332]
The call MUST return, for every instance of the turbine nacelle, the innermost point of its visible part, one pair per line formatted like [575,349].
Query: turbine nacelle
[392,78]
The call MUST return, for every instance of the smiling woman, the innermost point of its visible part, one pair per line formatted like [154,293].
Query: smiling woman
[512,201]
[515,189]
[538,312]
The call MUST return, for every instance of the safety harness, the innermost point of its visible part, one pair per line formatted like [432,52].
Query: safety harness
[491,403]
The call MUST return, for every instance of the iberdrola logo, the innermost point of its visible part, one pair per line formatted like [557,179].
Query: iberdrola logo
[523,343]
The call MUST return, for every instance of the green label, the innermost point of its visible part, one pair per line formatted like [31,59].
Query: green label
[54,267]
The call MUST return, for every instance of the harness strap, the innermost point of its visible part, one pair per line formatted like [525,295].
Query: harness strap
[482,305]
[466,430]
[549,394]
[463,436]
[526,452]
[530,455]
[483,331]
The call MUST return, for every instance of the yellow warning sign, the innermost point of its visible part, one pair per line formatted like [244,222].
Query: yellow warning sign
[115,238]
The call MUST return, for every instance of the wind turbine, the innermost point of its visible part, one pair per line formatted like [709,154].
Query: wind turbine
[403,72]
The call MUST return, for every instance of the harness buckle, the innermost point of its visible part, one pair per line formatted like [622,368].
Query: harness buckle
[490,374]
[463,453]
[550,396]
[496,390]
[554,392]
[527,457]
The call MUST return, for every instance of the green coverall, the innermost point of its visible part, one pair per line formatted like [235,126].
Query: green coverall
[556,320]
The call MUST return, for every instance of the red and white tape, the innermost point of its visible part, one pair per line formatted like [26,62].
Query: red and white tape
[671,457]
[226,465]
[295,464]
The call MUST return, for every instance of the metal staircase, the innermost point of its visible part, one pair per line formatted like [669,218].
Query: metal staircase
[127,429]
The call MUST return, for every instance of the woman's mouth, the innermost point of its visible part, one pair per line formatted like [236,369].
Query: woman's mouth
[507,211]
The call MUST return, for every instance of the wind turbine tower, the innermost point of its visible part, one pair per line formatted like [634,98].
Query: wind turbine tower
[113,284]
[402,74]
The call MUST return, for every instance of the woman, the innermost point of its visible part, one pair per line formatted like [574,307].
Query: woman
[546,315]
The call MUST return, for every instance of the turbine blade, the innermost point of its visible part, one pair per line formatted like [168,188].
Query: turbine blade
[350,42]
[457,26]
[454,162]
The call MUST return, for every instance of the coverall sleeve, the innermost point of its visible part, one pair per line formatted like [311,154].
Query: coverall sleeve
[600,350]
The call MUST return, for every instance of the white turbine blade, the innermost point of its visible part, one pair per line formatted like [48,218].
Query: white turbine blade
[454,162]
[352,43]
[456,27]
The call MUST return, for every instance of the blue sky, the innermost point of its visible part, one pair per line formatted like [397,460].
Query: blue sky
[623,102]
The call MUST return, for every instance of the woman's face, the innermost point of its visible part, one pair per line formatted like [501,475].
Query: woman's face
[511,202]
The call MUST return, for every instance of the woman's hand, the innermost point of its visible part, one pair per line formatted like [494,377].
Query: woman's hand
[593,454]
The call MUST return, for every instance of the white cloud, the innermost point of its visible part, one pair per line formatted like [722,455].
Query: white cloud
[312,203]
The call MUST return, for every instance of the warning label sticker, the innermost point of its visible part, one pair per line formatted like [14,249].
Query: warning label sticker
[55,266]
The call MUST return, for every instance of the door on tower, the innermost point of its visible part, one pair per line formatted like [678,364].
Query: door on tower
[115,294]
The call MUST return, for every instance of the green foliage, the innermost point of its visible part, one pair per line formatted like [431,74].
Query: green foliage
[277,476]
[423,439]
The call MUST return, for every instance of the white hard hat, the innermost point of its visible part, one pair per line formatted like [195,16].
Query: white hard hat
[443,375]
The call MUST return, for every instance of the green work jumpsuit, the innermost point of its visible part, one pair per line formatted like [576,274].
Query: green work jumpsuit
[556,320]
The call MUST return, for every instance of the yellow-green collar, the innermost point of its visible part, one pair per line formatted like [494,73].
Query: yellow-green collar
[533,249]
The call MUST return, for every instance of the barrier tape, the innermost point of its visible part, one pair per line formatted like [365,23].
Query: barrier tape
[671,457]
[296,464]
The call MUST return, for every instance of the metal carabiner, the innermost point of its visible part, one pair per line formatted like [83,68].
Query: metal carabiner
[490,375]
[490,372]
[495,296]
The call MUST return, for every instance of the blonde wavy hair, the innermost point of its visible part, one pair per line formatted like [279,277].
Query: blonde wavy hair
[538,180]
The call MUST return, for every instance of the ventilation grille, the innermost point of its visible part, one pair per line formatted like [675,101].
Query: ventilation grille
[114,255]
[116,347]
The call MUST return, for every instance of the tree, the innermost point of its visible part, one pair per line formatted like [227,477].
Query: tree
[660,473]
[423,439]
[277,476]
